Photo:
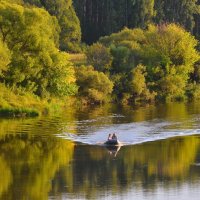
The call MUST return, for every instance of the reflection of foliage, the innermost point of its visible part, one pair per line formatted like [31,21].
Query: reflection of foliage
[38,164]
[95,154]
[35,162]
[5,177]
[170,158]
[169,111]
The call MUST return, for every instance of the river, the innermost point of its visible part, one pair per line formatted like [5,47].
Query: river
[62,156]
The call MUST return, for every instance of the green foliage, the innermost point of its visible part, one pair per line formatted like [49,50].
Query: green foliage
[31,35]
[121,56]
[195,76]
[100,18]
[138,86]
[131,87]
[172,87]
[4,57]
[160,60]
[120,81]
[169,54]
[18,103]
[142,13]
[70,34]
[61,78]
[193,91]
[170,45]
[180,11]
[94,85]
[99,57]
[138,83]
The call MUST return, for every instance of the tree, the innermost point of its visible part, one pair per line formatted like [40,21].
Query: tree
[121,56]
[180,11]
[172,87]
[138,82]
[70,35]
[170,45]
[168,52]
[94,85]
[4,57]
[36,65]
[170,55]
[142,13]
[100,18]
[99,56]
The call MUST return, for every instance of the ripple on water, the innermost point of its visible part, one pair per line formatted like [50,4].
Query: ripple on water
[128,133]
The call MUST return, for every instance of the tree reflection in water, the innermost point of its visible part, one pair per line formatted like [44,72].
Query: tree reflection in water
[141,166]
[35,164]
[29,166]
[36,168]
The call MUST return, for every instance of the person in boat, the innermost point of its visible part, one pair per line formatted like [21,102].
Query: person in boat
[114,137]
[112,140]
[110,136]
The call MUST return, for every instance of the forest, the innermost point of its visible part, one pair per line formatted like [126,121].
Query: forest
[97,51]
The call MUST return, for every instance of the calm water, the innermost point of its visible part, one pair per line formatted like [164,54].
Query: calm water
[62,157]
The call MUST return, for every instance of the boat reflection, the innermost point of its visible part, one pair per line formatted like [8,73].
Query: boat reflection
[113,150]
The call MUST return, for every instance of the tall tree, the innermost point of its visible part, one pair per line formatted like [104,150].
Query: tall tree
[4,57]
[179,11]
[70,35]
[197,22]
[36,64]
[100,18]
[141,13]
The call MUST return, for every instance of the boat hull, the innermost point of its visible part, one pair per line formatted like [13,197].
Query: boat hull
[112,142]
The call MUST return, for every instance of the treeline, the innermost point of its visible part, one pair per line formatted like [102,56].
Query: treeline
[155,61]
[159,63]
[100,18]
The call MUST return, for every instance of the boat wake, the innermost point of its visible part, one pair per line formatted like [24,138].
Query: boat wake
[134,133]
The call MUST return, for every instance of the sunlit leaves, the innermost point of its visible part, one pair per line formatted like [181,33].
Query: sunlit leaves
[31,35]
[168,52]
[99,57]
[93,84]
[4,57]
[69,24]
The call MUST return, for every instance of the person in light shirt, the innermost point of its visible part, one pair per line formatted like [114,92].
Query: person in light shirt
[114,137]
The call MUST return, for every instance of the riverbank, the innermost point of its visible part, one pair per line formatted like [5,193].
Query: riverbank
[17,103]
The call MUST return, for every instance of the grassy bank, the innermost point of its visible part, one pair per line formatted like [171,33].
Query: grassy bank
[17,103]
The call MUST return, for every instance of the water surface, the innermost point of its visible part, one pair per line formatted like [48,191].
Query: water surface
[62,157]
